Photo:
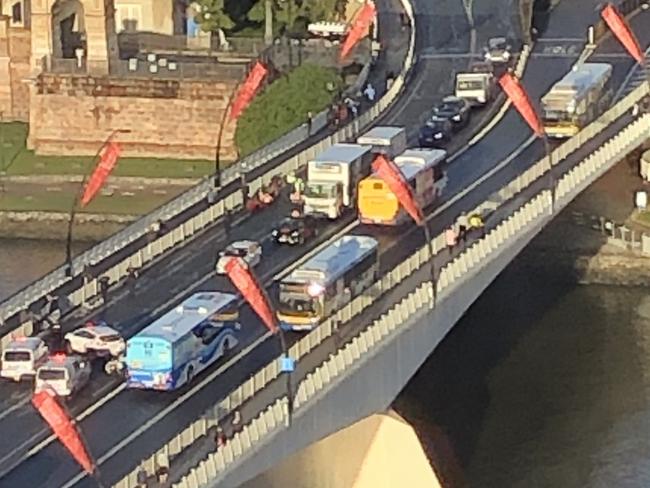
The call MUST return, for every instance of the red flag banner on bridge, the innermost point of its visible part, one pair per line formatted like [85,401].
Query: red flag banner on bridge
[243,279]
[248,90]
[359,28]
[519,98]
[393,177]
[54,414]
[620,28]
[107,161]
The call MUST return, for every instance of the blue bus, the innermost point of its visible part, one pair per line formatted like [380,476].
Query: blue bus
[179,345]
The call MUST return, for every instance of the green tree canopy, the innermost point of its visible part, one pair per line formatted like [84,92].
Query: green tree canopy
[213,15]
[284,105]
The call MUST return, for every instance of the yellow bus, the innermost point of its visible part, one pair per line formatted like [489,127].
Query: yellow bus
[577,99]
[421,168]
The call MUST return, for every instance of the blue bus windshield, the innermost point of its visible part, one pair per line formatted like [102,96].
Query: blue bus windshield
[148,354]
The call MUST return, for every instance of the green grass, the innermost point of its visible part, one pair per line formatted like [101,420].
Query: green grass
[643,217]
[15,159]
[139,204]
[284,105]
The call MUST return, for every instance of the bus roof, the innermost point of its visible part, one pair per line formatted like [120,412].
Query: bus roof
[579,79]
[332,261]
[342,153]
[412,161]
[376,135]
[183,318]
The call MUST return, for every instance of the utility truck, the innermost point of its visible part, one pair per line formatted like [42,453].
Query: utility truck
[333,177]
[386,140]
[477,86]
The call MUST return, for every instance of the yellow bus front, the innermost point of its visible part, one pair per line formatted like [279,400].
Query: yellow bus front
[561,130]
[377,203]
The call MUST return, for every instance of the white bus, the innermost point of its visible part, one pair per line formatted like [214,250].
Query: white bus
[577,99]
[180,344]
[327,282]
[421,168]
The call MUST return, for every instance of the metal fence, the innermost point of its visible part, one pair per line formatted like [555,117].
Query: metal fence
[632,136]
[230,198]
[418,303]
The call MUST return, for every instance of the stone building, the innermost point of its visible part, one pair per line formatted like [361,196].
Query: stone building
[63,69]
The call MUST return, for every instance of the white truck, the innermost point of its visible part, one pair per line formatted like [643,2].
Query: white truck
[333,177]
[477,86]
[386,140]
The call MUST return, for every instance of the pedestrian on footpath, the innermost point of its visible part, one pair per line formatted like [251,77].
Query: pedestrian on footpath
[220,438]
[451,238]
[370,92]
[476,222]
[236,422]
[462,226]
[310,119]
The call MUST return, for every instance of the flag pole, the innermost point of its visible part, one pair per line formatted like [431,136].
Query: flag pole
[75,202]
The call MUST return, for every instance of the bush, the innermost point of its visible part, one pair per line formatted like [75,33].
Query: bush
[284,105]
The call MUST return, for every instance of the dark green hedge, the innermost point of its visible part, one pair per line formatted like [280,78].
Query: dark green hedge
[284,105]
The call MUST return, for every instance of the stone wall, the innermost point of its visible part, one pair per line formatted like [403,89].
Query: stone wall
[74,115]
[15,52]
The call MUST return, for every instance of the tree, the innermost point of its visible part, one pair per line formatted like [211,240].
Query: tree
[320,10]
[213,16]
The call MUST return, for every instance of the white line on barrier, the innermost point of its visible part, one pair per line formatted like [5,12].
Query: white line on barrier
[180,400]
[628,77]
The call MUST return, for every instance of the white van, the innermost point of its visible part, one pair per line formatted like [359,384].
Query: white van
[22,357]
[63,375]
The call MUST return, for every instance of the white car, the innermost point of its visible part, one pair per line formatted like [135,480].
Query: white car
[249,251]
[95,338]
[22,357]
[497,50]
[62,375]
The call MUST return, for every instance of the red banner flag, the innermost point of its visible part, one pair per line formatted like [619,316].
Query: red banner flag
[620,28]
[107,161]
[53,413]
[248,90]
[393,177]
[252,292]
[520,100]
[359,28]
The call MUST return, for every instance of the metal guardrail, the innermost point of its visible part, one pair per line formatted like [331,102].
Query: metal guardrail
[230,200]
[419,302]
[263,377]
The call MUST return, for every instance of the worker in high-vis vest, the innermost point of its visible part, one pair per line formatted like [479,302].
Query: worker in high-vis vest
[476,222]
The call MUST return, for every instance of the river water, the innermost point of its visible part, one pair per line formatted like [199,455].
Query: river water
[541,384]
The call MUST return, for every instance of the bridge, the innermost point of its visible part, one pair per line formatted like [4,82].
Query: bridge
[392,328]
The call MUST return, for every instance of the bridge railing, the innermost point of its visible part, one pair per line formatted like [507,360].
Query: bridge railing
[418,303]
[271,372]
[230,199]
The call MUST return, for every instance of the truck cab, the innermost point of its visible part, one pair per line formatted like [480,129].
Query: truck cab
[62,375]
[22,357]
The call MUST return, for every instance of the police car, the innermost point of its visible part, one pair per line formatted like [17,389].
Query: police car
[22,357]
[249,251]
[62,375]
[98,338]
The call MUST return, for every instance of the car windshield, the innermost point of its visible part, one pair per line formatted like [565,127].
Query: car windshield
[235,251]
[289,224]
[17,356]
[436,125]
[319,190]
[447,108]
[497,43]
[111,338]
[51,374]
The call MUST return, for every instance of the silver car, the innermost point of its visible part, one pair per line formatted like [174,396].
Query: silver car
[498,51]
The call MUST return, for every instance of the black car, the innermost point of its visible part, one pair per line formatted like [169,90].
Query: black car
[294,231]
[454,109]
[436,133]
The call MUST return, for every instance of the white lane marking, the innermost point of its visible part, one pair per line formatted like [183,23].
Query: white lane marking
[152,421]
[14,407]
[51,438]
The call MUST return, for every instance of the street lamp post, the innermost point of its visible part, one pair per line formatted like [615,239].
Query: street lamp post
[434,280]
[547,150]
[75,202]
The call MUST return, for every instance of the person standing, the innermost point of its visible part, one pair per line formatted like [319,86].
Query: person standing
[462,226]
[310,119]
[451,237]
[476,222]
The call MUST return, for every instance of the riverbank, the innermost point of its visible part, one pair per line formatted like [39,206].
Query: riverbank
[598,238]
